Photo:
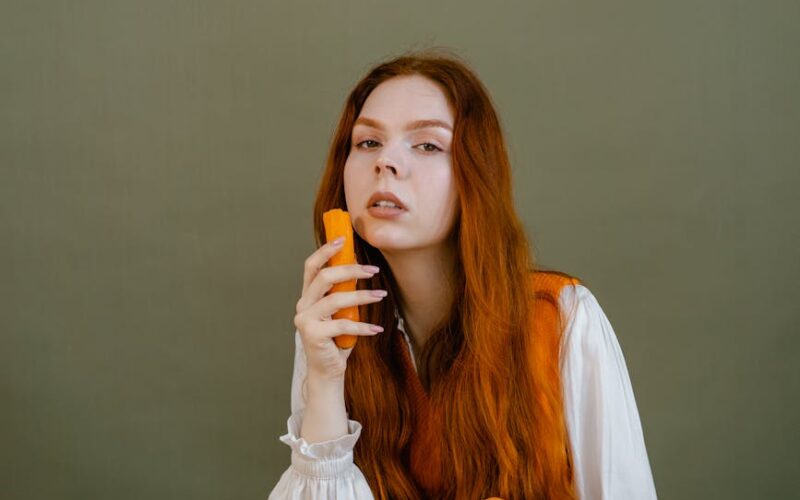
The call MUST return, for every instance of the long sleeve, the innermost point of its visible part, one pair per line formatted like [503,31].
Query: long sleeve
[610,459]
[320,470]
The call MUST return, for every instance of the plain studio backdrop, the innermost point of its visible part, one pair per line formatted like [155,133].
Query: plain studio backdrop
[159,162]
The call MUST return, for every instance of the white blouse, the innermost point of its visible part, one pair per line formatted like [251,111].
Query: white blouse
[609,456]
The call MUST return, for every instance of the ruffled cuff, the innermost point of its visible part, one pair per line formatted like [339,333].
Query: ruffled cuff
[327,459]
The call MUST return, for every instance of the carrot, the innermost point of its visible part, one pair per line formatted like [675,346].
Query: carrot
[337,223]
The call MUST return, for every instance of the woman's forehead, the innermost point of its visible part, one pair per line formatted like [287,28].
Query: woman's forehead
[418,124]
[401,100]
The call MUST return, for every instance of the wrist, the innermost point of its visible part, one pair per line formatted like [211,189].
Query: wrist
[325,412]
[317,384]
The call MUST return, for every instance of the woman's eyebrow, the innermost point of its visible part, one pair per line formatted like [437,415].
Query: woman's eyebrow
[369,122]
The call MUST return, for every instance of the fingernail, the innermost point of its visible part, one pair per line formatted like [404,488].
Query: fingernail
[376,328]
[339,240]
[379,293]
[371,269]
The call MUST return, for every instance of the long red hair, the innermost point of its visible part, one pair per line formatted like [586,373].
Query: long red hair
[503,417]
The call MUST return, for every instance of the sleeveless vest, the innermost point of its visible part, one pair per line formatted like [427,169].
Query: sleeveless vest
[424,455]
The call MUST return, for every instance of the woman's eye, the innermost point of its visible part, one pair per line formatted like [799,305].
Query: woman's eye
[362,142]
[430,147]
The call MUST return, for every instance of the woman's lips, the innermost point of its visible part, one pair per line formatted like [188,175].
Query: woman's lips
[386,212]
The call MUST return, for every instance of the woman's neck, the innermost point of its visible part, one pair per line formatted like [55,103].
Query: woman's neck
[425,280]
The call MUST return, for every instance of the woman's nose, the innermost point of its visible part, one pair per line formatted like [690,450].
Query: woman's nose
[385,164]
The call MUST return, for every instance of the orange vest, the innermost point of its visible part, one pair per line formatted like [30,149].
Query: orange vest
[424,454]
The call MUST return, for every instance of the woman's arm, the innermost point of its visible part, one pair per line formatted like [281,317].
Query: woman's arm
[610,459]
[322,468]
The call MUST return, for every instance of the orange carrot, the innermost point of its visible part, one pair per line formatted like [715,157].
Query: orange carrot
[337,223]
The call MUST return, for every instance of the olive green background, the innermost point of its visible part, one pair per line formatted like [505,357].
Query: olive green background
[159,164]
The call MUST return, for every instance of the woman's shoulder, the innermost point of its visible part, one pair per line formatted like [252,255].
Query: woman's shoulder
[586,329]
[568,292]
[553,282]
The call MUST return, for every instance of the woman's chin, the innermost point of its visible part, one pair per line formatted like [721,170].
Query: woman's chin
[384,244]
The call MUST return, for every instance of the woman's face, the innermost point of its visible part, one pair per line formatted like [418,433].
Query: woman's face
[390,153]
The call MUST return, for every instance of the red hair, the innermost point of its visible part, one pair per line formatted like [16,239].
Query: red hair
[503,417]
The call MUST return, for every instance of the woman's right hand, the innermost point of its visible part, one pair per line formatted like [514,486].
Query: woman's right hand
[313,320]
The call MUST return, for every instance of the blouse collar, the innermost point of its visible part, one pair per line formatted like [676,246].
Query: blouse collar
[401,326]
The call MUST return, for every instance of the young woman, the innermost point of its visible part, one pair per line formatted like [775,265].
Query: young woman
[490,377]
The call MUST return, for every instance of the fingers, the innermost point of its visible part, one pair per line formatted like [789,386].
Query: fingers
[330,276]
[318,332]
[338,327]
[318,259]
[334,302]
[326,278]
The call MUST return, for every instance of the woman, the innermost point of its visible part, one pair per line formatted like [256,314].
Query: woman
[492,377]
